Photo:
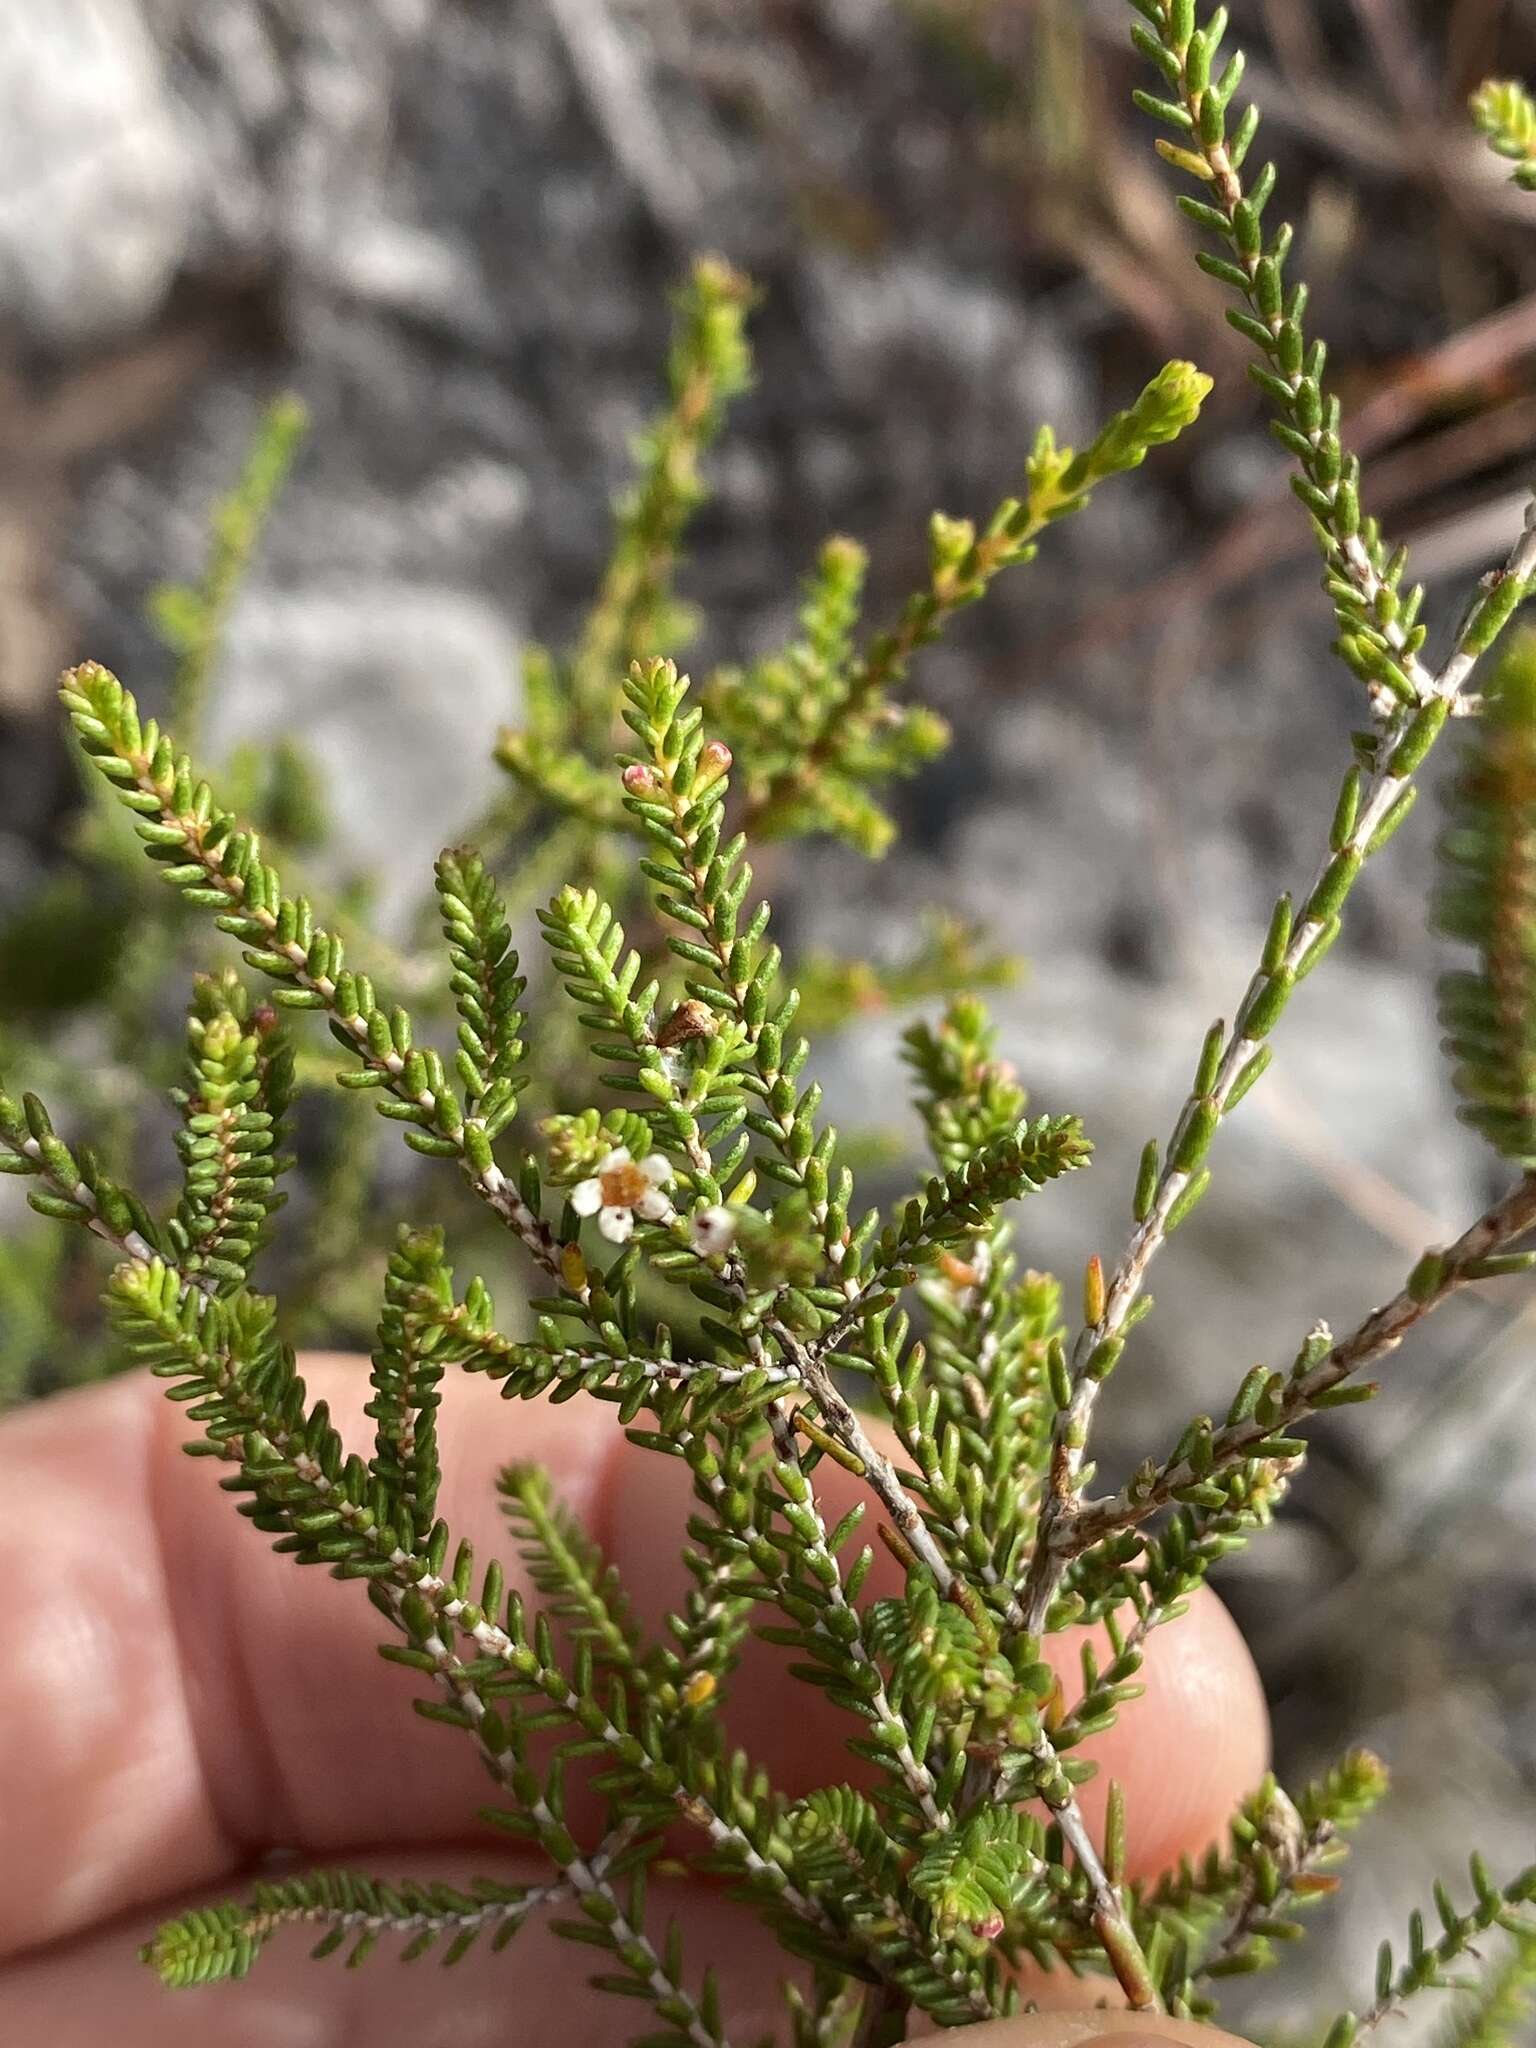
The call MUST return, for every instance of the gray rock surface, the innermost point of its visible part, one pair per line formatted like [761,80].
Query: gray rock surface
[96,172]
[421,667]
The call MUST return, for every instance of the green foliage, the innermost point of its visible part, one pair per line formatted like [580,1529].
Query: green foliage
[581,1589]
[1499,2013]
[1488,900]
[709,365]
[239,1088]
[984,1874]
[1380,634]
[353,1910]
[638,1129]
[486,986]
[1431,1962]
[191,618]
[1506,114]
[561,759]
[816,724]
[949,955]
[409,1356]
[1229,1910]
[72,1186]
[98,956]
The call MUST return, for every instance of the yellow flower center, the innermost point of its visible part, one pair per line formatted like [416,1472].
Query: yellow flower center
[623,1186]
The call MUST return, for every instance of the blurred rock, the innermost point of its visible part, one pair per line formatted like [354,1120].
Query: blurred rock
[394,690]
[96,172]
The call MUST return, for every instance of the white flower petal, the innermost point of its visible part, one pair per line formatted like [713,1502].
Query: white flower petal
[653,1206]
[657,1168]
[619,1156]
[617,1225]
[587,1197]
[713,1229]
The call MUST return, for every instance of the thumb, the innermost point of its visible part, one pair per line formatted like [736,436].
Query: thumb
[1099,2030]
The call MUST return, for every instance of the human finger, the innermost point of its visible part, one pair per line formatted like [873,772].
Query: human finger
[179,1700]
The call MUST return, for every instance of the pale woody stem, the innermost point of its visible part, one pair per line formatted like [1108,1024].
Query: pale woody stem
[1156,1617]
[1109,1920]
[137,1248]
[840,1416]
[490,1639]
[843,1422]
[1070,1437]
[1113,1928]
[1297,1861]
[493,1641]
[491,1345]
[585,1877]
[1227,187]
[359,1920]
[917,1776]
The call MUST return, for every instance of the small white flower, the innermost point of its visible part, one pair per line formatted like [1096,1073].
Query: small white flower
[713,1230]
[622,1189]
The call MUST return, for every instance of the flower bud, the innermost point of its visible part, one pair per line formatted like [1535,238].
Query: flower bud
[713,1230]
[691,1019]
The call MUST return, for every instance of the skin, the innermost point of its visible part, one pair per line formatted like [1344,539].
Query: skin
[178,1702]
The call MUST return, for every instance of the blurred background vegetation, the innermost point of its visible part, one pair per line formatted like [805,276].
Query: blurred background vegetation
[451,228]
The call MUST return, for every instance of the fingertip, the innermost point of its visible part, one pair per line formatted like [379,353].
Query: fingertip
[1191,1748]
[537,1990]
[791,1727]
[1184,1754]
[480,1433]
[206,1699]
[1089,2029]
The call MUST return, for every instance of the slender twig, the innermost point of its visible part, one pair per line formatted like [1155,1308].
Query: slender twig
[1382,1331]
[129,1242]
[264,1920]
[1257,1903]
[915,1773]
[1385,790]
[502,1357]
[1110,1920]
